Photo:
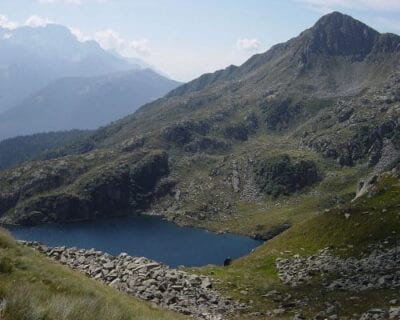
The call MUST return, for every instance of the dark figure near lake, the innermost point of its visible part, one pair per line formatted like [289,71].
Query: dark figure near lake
[227,261]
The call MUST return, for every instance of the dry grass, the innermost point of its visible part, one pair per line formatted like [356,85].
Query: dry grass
[36,288]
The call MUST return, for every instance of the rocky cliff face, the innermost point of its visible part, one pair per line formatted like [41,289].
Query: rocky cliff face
[338,34]
[122,188]
[355,128]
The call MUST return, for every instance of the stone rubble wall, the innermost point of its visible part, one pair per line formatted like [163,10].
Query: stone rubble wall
[146,279]
[379,270]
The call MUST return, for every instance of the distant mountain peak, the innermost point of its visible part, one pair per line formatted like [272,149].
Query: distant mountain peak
[340,23]
[333,35]
[336,17]
[340,34]
[32,58]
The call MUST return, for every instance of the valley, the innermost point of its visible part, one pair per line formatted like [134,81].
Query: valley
[297,147]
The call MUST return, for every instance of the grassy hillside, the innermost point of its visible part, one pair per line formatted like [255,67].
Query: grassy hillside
[36,288]
[353,229]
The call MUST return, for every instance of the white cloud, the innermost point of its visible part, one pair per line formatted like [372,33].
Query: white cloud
[140,46]
[110,39]
[329,5]
[7,23]
[248,44]
[35,21]
[80,35]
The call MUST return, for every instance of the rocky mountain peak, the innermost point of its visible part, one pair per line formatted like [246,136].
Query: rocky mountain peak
[340,34]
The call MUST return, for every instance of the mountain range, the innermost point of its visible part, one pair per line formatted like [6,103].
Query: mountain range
[63,84]
[300,144]
[84,102]
[313,98]
[33,57]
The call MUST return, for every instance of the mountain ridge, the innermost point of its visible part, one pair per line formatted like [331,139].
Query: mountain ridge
[331,26]
[84,102]
[31,58]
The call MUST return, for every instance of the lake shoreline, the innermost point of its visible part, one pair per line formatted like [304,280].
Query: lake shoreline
[179,223]
[143,235]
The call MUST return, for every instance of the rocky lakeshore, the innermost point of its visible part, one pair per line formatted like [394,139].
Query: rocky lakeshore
[146,279]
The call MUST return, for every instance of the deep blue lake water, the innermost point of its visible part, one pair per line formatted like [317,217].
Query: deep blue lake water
[140,235]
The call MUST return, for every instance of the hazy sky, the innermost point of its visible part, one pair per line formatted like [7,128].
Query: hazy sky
[185,38]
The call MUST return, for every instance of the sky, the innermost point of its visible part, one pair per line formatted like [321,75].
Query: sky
[186,38]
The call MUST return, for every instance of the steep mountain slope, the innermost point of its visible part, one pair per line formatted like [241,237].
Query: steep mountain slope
[312,79]
[33,57]
[84,103]
[237,141]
